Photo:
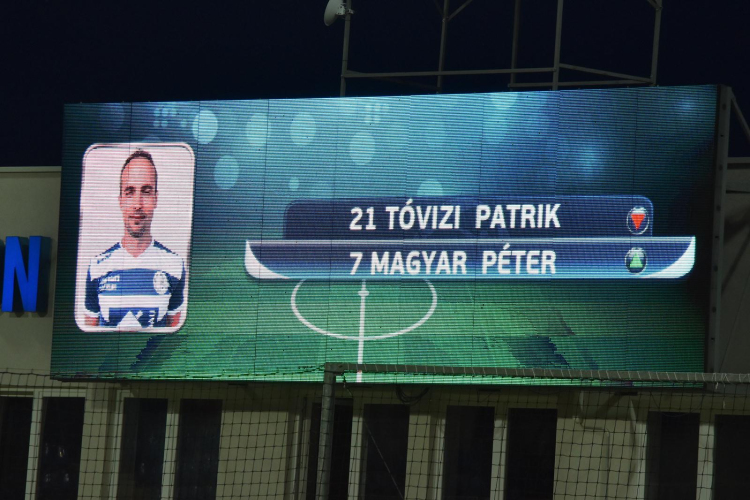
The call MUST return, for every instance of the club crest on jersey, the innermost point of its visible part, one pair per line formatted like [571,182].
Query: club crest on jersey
[161,282]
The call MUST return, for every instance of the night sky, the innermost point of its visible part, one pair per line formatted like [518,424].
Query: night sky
[54,53]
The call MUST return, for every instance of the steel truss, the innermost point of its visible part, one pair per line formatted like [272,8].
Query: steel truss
[613,78]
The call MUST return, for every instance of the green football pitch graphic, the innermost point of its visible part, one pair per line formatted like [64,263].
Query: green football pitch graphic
[255,333]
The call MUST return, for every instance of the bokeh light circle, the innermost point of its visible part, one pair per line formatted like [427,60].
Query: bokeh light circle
[205,126]
[112,116]
[504,100]
[430,187]
[256,130]
[226,172]
[303,129]
[362,148]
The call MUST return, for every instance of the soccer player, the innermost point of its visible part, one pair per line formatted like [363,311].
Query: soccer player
[138,283]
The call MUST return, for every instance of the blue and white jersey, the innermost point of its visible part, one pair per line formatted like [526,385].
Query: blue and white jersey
[135,293]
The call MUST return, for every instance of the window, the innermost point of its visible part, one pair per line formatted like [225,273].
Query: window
[467,468]
[60,451]
[198,449]
[672,455]
[144,429]
[385,439]
[731,457]
[15,430]
[530,458]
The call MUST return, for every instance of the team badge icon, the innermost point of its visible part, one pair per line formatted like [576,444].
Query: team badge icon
[638,220]
[635,260]
[161,283]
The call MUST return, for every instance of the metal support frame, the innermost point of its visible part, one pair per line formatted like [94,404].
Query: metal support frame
[443,40]
[612,77]
[709,379]
[328,406]
[558,43]
[741,118]
[514,46]
[657,5]
[345,53]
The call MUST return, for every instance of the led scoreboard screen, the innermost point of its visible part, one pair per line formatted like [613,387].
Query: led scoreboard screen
[261,239]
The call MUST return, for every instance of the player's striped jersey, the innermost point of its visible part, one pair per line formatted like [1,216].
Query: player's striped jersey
[135,293]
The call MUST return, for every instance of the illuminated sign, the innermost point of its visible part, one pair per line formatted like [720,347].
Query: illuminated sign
[523,230]
[19,277]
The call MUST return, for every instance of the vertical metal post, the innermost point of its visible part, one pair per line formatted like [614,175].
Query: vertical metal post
[657,34]
[326,434]
[112,440]
[514,49]
[706,462]
[443,37]
[714,354]
[345,54]
[35,440]
[558,40]
[169,464]
[299,444]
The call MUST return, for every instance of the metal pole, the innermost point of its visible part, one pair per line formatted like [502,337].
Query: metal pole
[602,72]
[514,49]
[345,55]
[558,40]
[326,434]
[443,37]
[359,74]
[657,34]
[548,373]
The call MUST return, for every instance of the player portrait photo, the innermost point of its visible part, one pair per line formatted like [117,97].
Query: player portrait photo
[134,241]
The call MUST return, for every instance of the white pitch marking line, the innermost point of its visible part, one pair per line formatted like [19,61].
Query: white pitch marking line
[314,328]
[363,293]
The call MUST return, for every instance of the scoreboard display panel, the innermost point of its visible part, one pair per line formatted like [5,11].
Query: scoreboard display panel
[260,239]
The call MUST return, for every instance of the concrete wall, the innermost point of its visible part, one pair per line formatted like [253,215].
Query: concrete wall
[29,206]
[733,343]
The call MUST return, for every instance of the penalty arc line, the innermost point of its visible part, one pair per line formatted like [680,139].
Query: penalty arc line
[314,328]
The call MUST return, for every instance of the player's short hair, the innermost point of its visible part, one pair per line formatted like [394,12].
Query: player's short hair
[140,153]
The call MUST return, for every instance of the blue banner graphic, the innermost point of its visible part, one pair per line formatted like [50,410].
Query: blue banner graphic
[606,237]
[511,258]
[464,217]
